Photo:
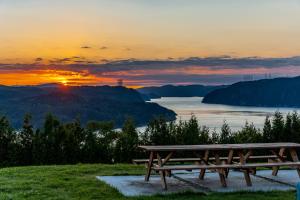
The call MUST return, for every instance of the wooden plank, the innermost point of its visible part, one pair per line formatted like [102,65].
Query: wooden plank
[219,147]
[295,158]
[164,161]
[224,166]
[137,161]
[162,173]
[150,162]
[280,158]
[246,171]
[221,171]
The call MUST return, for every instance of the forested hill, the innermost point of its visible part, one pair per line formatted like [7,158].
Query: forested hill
[86,102]
[278,92]
[177,91]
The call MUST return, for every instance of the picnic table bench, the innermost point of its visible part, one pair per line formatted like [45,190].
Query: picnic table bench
[208,158]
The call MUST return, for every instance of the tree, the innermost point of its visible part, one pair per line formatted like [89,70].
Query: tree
[226,134]
[267,130]
[126,147]
[158,132]
[188,132]
[51,141]
[99,142]
[288,129]
[26,142]
[278,127]
[248,134]
[74,141]
[295,135]
[7,143]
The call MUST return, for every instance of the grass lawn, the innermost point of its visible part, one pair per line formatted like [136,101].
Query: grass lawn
[79,182]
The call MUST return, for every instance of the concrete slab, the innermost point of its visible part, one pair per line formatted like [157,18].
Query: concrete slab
[235,183]
[188,181]
[289,177]
[136,185]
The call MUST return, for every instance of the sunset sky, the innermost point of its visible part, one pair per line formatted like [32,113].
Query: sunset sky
[147,42]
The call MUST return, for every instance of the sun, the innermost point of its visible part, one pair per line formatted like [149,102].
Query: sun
[64,82]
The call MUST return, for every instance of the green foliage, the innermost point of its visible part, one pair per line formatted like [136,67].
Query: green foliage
[127,143]
[63,143]
[267,130]
[7,143]
[158,132]
[248,134]
[26,142]
[226,134]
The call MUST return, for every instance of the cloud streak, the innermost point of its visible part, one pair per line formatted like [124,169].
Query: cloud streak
[194,70]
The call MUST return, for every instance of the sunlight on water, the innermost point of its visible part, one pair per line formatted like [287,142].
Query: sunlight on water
[213,115]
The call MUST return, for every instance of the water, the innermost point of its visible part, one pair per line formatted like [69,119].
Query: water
[213,115]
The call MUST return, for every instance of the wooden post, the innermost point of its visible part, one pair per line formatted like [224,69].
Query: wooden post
[229,161]
[295,158]
[221,171]
[245,171]
[279,159]
[167,173]
[205,159]
[149,166]
[162,173]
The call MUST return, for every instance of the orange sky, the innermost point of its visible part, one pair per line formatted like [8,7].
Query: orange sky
[51,32]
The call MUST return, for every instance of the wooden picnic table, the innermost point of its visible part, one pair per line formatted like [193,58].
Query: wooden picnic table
[209,158]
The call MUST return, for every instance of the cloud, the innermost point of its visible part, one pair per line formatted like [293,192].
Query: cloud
[85,47]
[104,48]
[38,59]
[207,70]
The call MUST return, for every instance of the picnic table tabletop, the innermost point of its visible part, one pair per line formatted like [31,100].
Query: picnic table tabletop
[219,146]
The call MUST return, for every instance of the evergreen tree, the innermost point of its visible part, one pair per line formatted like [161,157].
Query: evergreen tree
[188,132]
[248,134]
[295,135]
[26,142]
[267,130]
[7,143]
[126,147]
[288,129]
[99,142]
[74,141]
[52,141]
[204,135]
[157,133]
[226,134]
[278,127]
[215,137]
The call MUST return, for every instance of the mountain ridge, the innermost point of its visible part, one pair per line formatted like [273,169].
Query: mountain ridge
[277,92]
[101,103]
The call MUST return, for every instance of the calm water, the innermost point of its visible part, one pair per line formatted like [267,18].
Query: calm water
[213,115]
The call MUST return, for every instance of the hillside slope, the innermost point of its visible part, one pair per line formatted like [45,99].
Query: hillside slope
[278,92]
[177,91]
[87,103]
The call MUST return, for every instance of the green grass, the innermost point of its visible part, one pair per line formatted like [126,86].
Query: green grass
[79,182]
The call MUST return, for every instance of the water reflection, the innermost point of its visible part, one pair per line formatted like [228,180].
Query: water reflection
[213,115]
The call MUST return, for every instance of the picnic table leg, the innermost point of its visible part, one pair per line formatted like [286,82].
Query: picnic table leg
[168,173]
[205,159]
[149,166]
[295,158]
[279,159]
[162,173]
[220,171]
[229,161]
[245,171]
